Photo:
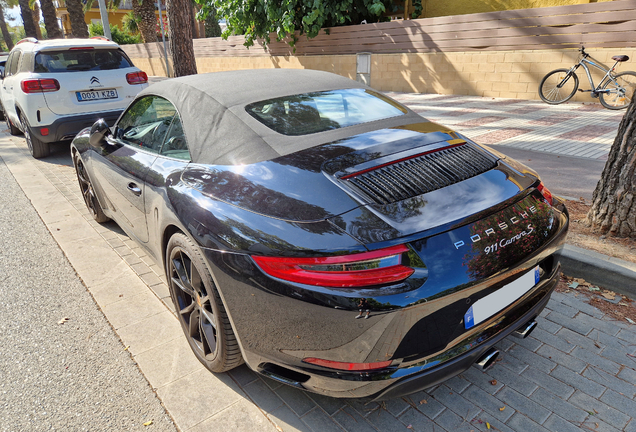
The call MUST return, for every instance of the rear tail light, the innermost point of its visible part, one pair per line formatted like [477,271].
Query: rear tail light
[347,366]
[137,78]
[545,192]
[359,270]
[81,48]
[40,85]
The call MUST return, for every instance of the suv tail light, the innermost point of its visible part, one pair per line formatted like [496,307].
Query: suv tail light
[359,270]
[545,192]
[136,78]
[40,85]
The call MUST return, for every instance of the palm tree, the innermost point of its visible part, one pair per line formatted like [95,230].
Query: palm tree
[144,10]
[180,31]
[27,19]
[53,30]
[5,31]
[76,16]
[35,12]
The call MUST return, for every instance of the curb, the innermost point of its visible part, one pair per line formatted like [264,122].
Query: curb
[610,273]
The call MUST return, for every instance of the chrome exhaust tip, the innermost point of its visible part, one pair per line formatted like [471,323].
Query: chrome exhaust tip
[525,330]
[487,359]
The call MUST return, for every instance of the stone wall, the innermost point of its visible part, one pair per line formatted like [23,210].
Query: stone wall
[508,74]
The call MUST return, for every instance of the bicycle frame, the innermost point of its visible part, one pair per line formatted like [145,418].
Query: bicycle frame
[607,76]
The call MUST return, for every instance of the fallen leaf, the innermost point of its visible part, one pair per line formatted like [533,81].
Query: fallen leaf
[623,304]
[148,423]
[126,349]
[609,296]
[63,320]
[493,382]
[502,408]
[488,425]
[409,427]
[423,401]
[631,321]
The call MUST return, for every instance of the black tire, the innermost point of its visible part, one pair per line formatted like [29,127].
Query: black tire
[37,148]
[551,93]
[12,129]
[1,112]
[199,307]
[621,94]
[86,187]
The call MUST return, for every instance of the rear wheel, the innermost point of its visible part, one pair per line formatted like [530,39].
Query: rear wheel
[620,92]
[12,129]
[199,307]
[558,86]
[37,148]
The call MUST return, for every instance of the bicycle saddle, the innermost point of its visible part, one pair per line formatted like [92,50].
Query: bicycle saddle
[620,58]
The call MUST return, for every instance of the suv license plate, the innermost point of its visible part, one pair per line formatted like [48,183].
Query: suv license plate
[96,95]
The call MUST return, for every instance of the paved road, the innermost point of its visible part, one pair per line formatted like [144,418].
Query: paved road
[74,376]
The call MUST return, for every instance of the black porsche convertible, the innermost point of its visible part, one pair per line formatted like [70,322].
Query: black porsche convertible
[322,233]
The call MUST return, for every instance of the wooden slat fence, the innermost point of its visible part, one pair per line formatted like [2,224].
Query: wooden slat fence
[605,24]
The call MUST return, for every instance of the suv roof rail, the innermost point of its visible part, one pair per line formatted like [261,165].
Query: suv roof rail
[100,38]
[29,39]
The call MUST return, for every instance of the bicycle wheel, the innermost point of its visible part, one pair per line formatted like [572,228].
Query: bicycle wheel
[558,86]
[621,91]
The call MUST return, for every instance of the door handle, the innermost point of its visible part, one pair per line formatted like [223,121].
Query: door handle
[134,189]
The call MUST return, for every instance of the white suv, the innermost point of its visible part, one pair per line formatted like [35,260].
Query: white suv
[53,89]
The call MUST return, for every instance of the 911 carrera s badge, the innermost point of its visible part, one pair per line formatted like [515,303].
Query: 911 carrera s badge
[501,226]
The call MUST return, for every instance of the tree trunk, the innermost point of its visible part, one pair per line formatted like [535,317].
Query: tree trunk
[5,31]
[180,31]
[53,30]
[27,19]
[35,12]
[613,203]
[148,24]
[76,16]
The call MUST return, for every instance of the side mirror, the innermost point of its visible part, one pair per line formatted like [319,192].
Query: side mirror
[99,132]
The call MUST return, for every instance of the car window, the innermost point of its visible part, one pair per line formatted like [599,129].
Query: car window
[146,123]
[175,145]
[321,111]
[80,60]
[27,62]
[14,59]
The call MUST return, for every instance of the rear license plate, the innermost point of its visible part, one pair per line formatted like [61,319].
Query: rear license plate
[92,95]
[486,307]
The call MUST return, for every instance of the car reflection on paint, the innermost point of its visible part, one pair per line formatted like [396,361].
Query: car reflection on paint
[322,233]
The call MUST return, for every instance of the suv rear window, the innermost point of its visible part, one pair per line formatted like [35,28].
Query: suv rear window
[309,113]
[80,60]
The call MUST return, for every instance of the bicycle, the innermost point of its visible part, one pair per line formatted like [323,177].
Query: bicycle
[615,91]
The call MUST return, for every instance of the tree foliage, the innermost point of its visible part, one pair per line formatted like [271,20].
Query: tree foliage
[120,36]
[256,19]
[212,27]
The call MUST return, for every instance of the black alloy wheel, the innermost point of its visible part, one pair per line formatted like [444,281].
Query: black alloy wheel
[199,307]
[88,192]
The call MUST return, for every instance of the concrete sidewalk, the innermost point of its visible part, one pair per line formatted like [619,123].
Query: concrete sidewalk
[574,372]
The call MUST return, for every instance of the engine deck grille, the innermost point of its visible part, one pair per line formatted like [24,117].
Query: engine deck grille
[421,174]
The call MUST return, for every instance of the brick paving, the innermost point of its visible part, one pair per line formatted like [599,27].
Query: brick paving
[575,372]
[572,129]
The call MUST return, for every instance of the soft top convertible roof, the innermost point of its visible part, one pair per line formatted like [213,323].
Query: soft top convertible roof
[218,129]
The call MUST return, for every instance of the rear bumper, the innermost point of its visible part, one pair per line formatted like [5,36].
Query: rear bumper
[65,128]
[278,325]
